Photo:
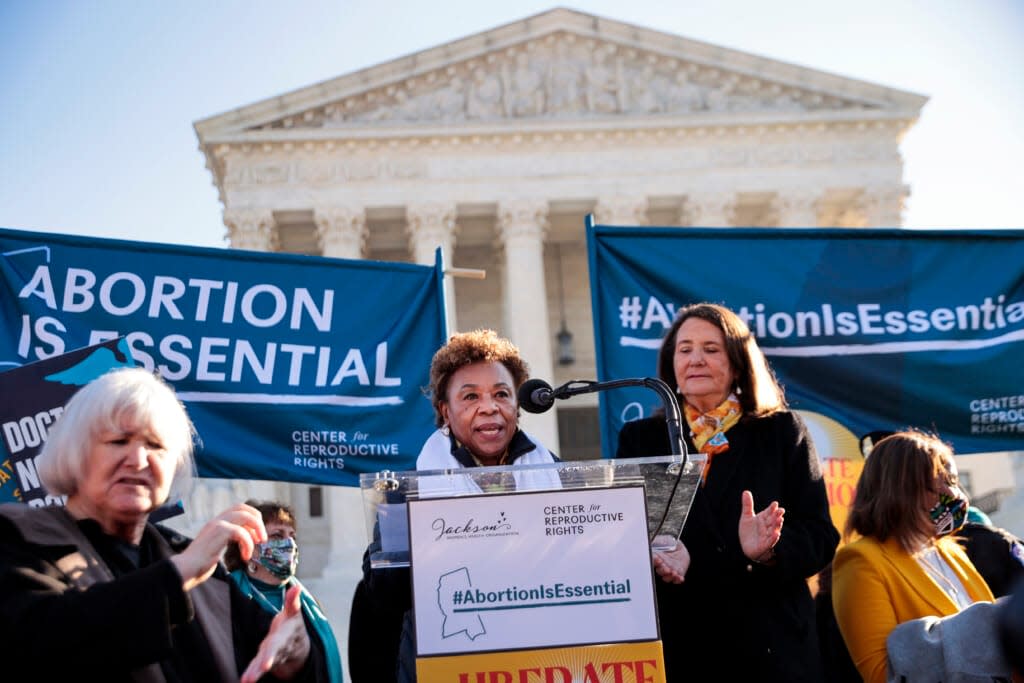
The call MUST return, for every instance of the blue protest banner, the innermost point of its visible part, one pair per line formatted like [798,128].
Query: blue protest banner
[293,368]
[872,329]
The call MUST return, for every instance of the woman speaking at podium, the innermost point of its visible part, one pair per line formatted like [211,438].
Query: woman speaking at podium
[474,383]
[744,610]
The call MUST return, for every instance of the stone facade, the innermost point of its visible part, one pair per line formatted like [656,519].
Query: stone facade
[494,147]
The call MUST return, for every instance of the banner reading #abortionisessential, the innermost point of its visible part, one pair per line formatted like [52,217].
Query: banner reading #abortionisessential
[873,329]
[293,368]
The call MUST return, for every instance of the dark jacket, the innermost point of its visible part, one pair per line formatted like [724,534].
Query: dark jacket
[997,554]
[374,632]
[836,663]
[732,616]
[76,604]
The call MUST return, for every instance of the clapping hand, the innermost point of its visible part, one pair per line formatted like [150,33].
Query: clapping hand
[285,649]
[759,532]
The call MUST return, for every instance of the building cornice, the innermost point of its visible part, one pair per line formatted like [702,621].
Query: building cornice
[542,133]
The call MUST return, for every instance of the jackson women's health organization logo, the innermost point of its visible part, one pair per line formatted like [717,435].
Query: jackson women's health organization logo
[471,528]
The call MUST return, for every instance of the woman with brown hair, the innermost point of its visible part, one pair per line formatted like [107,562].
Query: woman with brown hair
[744,610]
[906,565]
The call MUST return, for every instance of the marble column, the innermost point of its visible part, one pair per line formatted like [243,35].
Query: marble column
[798,208]
[522,225]
[621,210]
[883,206]
[341,231]
[710,210]
[251,228]
[432,225]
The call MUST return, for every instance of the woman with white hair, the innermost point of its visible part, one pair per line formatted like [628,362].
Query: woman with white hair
[94,590]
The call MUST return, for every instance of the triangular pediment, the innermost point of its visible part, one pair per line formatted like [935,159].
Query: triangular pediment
[561,65]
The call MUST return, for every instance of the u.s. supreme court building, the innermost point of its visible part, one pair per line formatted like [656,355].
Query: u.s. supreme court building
[494,147]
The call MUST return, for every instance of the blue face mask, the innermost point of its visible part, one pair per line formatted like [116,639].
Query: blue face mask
[279,556]
[950,513]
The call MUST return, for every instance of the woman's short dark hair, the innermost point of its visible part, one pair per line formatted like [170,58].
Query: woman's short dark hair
[757,389]
[134,395]
[898,480]
[466,348]
[273,511]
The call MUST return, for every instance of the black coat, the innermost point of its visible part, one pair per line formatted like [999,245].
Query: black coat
[997,554]
[75,606]
[374,634]
[732,617]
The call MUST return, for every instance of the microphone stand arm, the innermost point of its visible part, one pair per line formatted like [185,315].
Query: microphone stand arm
[673,417]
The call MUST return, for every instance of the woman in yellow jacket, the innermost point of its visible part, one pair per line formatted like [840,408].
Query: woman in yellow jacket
[905,565]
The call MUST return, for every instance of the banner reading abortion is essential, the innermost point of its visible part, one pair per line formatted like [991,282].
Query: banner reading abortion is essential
[293,368]
[867,329]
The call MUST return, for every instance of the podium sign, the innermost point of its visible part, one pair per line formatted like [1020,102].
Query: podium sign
[531,570]
[561,579]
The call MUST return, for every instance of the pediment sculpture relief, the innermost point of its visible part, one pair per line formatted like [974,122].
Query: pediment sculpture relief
[563,77]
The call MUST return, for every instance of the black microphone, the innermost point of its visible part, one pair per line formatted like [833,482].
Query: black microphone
[539,396]
[536,396]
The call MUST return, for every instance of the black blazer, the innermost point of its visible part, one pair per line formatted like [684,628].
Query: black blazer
[113,621]
[997,554]
[731,617]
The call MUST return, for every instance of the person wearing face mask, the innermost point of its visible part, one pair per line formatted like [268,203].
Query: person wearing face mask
[270,572]
[906,563]
[996,553]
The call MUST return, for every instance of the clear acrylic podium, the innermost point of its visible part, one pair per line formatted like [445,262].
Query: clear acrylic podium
[669,482]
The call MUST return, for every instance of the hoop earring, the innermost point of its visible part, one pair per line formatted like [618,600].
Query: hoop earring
[445,430]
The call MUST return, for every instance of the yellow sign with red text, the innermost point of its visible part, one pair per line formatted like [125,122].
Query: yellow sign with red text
[616,663]
[841,462]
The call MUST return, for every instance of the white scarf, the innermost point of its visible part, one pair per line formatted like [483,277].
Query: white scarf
[436,454]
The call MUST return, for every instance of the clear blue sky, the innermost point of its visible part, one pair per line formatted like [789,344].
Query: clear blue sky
[98,97]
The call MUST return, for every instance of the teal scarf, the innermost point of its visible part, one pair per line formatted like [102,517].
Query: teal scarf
[270,598]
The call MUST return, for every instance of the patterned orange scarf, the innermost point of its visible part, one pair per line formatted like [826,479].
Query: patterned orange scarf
[708,429]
